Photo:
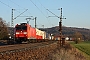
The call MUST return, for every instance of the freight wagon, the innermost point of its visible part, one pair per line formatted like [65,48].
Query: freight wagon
[41,33]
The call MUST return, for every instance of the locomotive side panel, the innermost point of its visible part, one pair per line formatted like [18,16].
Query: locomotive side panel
[32,33]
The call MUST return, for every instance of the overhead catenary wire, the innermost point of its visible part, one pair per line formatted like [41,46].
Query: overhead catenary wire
[16,4]
[5,4]
[41,4]
[49,20]
[48,10]
[12,24]
[47,13]
[37,7]
[52,13]
[19,7]
[22,7]
[8,6]
[20,14]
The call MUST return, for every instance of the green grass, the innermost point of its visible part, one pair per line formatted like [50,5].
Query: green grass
[83,46]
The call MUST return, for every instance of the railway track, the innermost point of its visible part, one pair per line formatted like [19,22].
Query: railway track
[16,47]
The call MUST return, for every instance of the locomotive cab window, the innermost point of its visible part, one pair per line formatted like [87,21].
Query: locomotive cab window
[24,28]
[18,28]
[21,28]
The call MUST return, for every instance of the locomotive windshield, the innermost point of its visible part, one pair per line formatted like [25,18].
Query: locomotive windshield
[21,27]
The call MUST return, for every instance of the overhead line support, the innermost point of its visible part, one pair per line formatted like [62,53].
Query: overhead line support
[35,22]
[12,23]
[60,26]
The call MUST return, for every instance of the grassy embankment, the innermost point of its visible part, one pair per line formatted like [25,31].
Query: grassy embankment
[84,47]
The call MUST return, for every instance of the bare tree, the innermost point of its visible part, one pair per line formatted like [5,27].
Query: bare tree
[3,29]
[78,37]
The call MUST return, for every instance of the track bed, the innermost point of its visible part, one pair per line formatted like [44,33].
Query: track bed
[23,46]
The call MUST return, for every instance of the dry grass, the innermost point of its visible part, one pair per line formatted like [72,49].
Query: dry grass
[66,53]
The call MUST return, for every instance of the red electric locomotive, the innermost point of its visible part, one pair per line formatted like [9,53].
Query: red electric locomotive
[24,32]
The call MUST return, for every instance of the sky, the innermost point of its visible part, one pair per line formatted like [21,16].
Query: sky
[76,12]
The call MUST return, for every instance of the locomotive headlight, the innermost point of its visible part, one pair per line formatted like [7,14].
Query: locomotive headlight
[9,37]
[17,32]
[24,32]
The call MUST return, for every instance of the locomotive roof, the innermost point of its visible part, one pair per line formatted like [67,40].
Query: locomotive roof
[23,23]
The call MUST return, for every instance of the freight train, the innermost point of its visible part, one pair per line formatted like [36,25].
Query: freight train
[24,32]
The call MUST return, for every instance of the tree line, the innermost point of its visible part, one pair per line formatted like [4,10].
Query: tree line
[3,29]
[78,33]
[83,33]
